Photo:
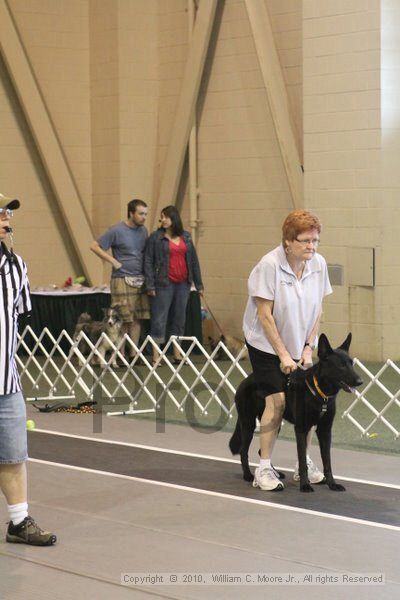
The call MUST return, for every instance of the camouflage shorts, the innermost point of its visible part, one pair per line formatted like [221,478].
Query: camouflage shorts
[134,302]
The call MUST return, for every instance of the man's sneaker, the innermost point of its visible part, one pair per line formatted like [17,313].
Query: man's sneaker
[314,474]
[266,479]
[28,532]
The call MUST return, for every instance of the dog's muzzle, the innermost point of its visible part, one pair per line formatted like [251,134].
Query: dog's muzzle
[350,389]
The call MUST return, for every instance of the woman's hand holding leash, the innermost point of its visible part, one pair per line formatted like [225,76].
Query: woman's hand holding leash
[287,364]
[306,357]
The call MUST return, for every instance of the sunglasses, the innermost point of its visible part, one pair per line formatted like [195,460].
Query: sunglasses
[5,213]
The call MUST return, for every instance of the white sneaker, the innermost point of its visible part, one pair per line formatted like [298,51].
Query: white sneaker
[314,474]
[267,480]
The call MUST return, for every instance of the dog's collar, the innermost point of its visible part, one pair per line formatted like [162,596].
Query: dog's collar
[318,391]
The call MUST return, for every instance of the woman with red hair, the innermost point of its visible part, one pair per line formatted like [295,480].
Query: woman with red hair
[281,322]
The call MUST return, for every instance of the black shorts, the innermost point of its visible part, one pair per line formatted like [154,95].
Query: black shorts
[267,372]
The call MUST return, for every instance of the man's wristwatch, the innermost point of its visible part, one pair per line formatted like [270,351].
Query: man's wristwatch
[312,346]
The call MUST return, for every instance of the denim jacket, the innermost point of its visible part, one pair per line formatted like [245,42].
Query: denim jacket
[156,261]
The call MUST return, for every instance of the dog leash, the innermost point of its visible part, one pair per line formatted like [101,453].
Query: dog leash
[212,316]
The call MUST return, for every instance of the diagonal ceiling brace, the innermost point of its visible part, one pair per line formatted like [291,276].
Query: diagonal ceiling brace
[186,104]
[277,96]
[48,145]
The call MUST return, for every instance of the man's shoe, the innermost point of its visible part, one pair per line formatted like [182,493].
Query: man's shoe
[28,532]
[266,479]
[314,474]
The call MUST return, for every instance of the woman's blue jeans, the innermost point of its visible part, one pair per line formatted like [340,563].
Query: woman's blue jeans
[168,306]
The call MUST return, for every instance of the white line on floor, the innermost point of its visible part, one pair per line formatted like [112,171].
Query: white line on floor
[221,495]
[205,456]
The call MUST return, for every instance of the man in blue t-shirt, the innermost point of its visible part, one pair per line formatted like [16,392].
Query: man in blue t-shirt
[127,241]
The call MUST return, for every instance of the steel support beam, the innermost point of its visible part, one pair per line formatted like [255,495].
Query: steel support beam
[277,96]
[186,105]
[47,143]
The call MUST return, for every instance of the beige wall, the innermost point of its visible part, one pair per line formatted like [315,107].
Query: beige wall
[390,184]
[287,26]
[104,112]
[55,37]
[244,191]
[342,149]
[172,47]
[110,72]
[124,92]
[138,90]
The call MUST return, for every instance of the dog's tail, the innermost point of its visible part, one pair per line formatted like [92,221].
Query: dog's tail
[236,440]
[84,318]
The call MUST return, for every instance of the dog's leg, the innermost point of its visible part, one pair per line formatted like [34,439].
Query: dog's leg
[113,357]
[247,436]
[235,441]
[301,440]
[95,360]
[240,443]
[325,439]
[248,406]
[102,352]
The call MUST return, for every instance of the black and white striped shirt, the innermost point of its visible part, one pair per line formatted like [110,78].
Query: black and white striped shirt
[14,300]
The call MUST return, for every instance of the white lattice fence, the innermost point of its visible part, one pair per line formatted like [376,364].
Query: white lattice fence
[56,374]
[373,412]
[56,369]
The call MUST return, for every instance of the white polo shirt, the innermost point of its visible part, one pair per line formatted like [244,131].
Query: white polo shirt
[297,303]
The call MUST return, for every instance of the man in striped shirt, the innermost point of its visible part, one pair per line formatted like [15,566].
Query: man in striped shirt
[14,301]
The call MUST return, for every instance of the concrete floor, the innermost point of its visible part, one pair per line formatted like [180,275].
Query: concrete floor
[110,525]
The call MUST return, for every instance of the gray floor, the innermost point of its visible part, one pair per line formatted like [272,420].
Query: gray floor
[109,525]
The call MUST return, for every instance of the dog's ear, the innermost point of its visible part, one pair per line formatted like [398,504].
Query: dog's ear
[346,344]
[324,347]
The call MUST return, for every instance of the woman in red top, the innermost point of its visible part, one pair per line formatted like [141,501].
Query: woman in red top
[171,266]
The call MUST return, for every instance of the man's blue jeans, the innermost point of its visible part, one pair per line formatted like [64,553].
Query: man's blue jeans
[169,306]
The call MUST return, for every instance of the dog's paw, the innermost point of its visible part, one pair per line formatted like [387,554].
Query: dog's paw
[306,487]
[248,476]
[336,487]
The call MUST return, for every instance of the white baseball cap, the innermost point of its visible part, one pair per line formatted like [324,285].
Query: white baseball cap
[11,203]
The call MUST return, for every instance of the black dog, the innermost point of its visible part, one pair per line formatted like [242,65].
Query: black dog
[310,400]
